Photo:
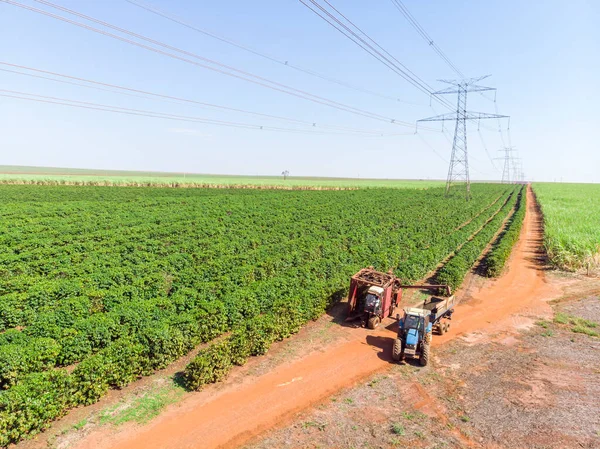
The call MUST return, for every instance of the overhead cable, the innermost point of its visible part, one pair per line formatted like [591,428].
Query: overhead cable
[421,31]
[146,113]
[173,99]
[221,68]
[345,26]
[284,62]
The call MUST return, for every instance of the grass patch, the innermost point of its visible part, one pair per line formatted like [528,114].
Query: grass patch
[397,429]
[547,333]
[375,381]
[580,329]
[561,318]
[586,323]
[142,408]
[577,324]
[81,424]
[314,424]
[409,416]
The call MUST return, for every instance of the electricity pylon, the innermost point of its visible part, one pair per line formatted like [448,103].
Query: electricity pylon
[509,165]
[459,162]
[517,169]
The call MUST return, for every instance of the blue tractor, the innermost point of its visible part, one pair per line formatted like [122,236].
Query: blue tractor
[417,325]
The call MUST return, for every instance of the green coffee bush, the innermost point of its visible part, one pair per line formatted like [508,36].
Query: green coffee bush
[454,271]
[17,360]
[502,248]
[210,365]
[35,401]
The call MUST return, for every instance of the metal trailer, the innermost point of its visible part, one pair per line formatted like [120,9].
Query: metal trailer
[373,295]
[418,323]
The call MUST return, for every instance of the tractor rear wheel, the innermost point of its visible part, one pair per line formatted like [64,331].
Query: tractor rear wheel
[442,328]
[373,322]
[424,359]
[428,337]
[397,351]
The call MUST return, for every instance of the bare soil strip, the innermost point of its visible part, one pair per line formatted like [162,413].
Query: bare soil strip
[235,413]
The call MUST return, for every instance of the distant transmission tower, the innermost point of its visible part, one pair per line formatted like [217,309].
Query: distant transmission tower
[509,165]
[459,163]
[517,168]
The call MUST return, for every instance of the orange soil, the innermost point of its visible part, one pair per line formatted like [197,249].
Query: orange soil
[236,413]
[521,289]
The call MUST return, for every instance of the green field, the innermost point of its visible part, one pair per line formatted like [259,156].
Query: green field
[572,223]
[73,176]
[116,283]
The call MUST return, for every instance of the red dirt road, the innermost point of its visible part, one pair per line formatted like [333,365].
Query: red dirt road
[236,413]
[240,412]
[522,289]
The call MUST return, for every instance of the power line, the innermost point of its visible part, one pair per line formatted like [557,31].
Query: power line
[125,91]
[421,31]
[499,123]
[449,139]
[107,108]
[289,90]
[459,163]
[284,62]
[145,113]
[479,125]
[487,151]
[509,165]
[431,147]
[346,27]
[223,68]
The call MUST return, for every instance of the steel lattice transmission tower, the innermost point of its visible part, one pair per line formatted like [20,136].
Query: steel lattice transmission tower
[517,169]
[459,162]
[509,165]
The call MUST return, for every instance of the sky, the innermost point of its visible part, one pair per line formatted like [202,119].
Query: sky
[543,58]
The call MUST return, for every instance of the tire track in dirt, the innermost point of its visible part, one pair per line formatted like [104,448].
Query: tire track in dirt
[237,413]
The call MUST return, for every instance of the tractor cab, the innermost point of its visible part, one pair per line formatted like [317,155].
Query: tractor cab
[416,326]
[414,319]
[374,300]
[413,329]
[372,297]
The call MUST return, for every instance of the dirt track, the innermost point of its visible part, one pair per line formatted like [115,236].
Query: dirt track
[235,413]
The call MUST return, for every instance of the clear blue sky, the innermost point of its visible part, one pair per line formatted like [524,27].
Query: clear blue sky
[544,58]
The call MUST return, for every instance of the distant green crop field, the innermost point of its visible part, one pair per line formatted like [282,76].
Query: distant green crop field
[572,223]
[43,175]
